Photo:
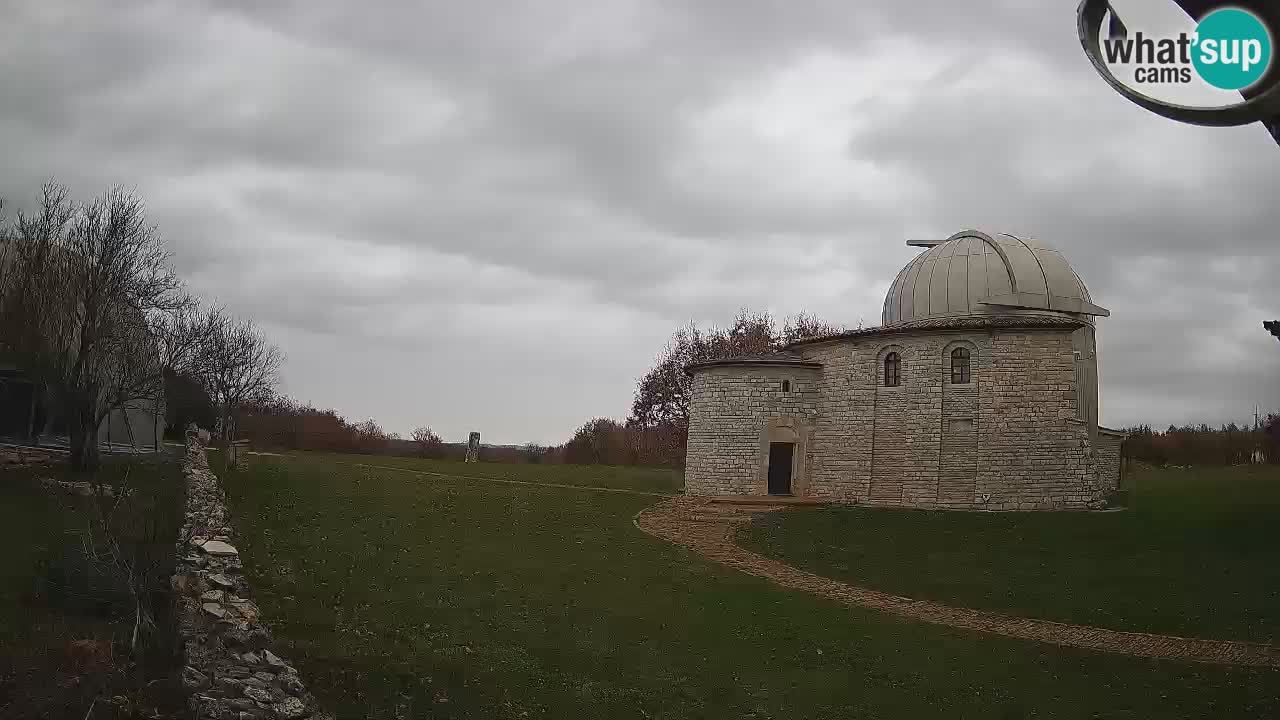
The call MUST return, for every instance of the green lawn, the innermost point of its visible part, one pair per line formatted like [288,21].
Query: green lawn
[1196,555]
[460,598]
[40,617]
[628,478]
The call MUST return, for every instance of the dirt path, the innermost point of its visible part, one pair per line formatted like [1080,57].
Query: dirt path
[707,528]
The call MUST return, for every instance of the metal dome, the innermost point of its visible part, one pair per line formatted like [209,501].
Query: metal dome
[973,273]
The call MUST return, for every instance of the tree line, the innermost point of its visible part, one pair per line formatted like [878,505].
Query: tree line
[1229,444]
[93,313]
[656,432]
[285,424]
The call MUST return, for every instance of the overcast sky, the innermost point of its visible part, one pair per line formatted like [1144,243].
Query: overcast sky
[490,216]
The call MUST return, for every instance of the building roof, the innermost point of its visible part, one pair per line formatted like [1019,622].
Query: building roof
[975,322]
[1029,321]
[976,273]
[778,359]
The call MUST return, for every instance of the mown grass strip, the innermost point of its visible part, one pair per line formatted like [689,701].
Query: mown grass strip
[509,481]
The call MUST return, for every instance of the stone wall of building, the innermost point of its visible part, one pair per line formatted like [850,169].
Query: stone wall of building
[892,445]
[840,464]
[1034,455]
[958,466]
[731,414]
[1108,458]
[1009,439]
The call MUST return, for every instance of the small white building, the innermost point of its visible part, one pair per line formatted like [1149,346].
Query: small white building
[28,413]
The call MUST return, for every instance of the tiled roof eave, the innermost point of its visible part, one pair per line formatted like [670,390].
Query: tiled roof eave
[754,361]
[962,322]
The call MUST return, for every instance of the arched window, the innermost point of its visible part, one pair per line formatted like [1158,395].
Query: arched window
[960,366]
[786,386]
[892,370]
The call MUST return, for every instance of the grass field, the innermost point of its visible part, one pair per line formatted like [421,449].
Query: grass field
[41,674]
[402,595]
[1195,555]
[627,478]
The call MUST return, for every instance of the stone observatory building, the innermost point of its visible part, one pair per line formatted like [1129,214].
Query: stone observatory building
[978,391]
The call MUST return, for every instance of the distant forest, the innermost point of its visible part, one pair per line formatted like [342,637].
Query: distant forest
[1203,445]
[290,426]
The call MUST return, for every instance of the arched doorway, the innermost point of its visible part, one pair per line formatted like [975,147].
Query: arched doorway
[781,461]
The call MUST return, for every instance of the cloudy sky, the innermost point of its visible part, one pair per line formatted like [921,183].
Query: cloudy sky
[491,215]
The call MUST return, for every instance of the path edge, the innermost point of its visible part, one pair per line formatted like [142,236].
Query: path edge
[719,545]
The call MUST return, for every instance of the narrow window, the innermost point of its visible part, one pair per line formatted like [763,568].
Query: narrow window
[960,366]
[786,386]
[892,370]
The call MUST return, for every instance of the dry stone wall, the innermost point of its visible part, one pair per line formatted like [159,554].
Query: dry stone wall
[1007,440]
[231,671]
[15,457]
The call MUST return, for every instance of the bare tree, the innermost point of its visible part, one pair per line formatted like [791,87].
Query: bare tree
[184,337]
[79,284]
[428,442]
[662,395]
[240,367]
[805,326]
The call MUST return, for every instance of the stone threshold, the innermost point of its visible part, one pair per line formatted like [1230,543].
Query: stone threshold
[788,500]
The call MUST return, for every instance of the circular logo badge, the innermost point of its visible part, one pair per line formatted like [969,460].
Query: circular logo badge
[1232,49]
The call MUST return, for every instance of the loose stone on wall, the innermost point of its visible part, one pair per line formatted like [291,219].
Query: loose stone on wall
[231,672]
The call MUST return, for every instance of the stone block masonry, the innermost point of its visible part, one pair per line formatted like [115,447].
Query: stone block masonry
[231,671]
[734,414]
[1010,438]
[979,391]
[1110,444]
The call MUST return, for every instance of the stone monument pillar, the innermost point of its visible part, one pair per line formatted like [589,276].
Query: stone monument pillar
[473,447]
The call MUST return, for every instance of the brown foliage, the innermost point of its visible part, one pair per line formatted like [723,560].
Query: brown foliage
[662,395]
[428,442]
[1203,445]
[660,411]
[89,656]
[603,441]
[285,424]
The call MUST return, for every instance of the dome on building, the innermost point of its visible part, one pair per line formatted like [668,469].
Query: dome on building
[975,273]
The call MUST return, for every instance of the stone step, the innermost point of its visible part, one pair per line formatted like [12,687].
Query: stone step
[718,518]
[726,509]
[765,500]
